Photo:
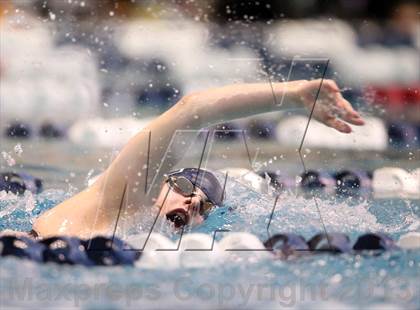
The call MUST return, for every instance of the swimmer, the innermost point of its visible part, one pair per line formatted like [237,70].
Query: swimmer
[188,195]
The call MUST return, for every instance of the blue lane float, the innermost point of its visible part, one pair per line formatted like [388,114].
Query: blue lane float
[194,252]
[374,242]
[346,182]
[50,131]
[18,183]
[402,135]
[315,180]
[22,247]
[46,130]
[105,251]
[333,243]
[18,130]
[286,245]
[99,251]
[386,182]
[65,250]
[380,137]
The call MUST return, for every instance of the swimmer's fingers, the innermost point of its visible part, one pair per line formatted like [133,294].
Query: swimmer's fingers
[347,113]
[337,124]
[331,108]
[343,108]
[329,85]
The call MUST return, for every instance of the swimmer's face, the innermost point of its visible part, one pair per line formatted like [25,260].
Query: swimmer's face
[179,209]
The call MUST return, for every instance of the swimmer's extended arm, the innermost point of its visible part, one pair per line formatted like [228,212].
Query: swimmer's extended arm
[241,100]
[96,209]
[208,107]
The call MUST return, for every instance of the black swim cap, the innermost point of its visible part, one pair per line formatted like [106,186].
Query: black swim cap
[204,180]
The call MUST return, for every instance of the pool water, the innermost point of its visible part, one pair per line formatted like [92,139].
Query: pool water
[334,281]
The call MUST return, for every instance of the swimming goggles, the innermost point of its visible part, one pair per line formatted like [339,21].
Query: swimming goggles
[186,188]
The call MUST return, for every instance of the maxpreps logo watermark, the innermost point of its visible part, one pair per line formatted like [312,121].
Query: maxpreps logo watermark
[181,290]
[27,290]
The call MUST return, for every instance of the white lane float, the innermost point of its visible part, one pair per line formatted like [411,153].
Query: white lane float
[308,37]
[409,241]
[158,252]
[248,178]
[198,250]
[49,84]
[243,246]
[372,136]
[198,70]
[112,133]
[395,182]
[416,175]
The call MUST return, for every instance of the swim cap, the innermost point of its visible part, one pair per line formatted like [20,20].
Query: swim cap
[204,180]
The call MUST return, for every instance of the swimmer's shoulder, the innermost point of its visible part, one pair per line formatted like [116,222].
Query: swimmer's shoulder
[74,216]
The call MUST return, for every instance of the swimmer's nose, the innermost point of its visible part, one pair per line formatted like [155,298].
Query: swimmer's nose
[192,203]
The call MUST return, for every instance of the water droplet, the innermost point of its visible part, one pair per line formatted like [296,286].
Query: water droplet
[336,278]
[52,15]
[18,149]
[9,159]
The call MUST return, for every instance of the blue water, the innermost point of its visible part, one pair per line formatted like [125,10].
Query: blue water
[344,281]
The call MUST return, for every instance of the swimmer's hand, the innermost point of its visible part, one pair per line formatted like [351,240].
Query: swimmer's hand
[330,108]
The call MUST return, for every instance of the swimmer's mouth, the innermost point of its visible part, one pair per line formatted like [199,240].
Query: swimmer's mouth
[179,217]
